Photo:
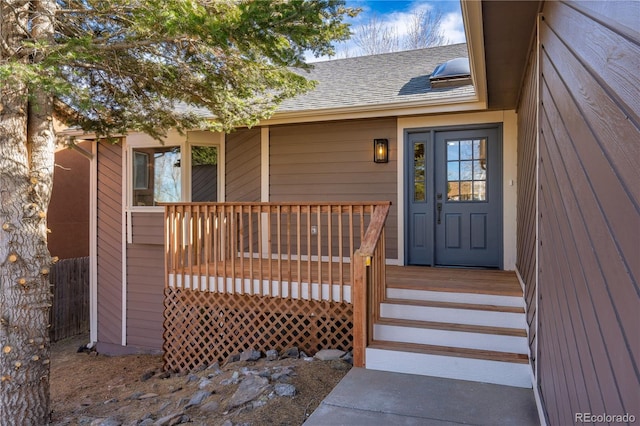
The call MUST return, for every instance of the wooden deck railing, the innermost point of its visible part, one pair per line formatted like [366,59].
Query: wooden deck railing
[288,250]
[369,283]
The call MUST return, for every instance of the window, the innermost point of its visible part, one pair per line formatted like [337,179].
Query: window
[162,174]
[419,172]
[168,174]
[140,170]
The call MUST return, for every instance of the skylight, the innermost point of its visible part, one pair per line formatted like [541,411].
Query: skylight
[455,72]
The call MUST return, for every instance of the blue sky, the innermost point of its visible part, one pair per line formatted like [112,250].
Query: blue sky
[396,13]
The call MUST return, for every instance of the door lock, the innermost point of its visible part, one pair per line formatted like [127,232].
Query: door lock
[439,208]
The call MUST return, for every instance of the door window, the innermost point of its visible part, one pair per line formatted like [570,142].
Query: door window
[419,173]
[467,170]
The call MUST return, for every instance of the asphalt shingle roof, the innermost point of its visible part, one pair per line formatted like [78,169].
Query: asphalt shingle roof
[373,81]
[389,78]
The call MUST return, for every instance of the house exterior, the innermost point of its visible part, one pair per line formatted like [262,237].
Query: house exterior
[534,165]
[68,213]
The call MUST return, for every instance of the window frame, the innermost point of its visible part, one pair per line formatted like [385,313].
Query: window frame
[195,138]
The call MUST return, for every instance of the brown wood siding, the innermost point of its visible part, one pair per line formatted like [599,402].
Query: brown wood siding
[68,213]
[333,161]
[526,220]
[243,165]
[145,285]
[147,228]
[204,183]
[589,309]
[109,243]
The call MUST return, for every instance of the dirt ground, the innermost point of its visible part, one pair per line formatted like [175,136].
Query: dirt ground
[86,387]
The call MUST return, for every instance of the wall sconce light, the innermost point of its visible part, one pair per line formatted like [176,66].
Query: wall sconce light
[381,150]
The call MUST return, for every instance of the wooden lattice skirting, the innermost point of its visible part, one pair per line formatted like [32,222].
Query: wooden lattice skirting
[201,328]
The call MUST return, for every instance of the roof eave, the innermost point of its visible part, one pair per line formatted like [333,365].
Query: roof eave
[454,104]
[474,32]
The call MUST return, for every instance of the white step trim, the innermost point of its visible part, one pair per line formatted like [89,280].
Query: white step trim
[445,296]
[451,338]
[453,315]
[450,367]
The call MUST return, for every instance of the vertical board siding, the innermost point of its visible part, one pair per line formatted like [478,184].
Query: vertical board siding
[526,220]
[109,242]
[333,161]
[589,199]
[243,165]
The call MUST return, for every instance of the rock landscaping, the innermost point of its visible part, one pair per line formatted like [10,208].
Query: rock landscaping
[250,388]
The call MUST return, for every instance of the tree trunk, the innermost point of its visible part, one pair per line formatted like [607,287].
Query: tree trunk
[26,172]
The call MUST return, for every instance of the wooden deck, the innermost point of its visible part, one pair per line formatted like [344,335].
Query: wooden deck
[456,280]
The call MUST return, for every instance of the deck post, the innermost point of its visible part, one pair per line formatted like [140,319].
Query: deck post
[360,313]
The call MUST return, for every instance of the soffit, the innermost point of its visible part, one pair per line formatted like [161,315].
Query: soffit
[508,33]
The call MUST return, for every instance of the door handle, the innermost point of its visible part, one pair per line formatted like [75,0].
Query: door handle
[439,208]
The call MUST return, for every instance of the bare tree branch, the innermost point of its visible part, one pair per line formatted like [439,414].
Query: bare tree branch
[375,37]
[425,30]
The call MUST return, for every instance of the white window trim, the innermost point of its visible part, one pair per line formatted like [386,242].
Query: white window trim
[195,138]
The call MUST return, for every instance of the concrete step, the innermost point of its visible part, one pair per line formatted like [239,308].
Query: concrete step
[489,315]
[511,369]
[453,335]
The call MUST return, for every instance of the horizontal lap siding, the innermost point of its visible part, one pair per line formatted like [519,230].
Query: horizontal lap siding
[526,222]
[243,165]
[68,213]
[147,228]
[589,309]
[333,161]
[145,286]
[109,243]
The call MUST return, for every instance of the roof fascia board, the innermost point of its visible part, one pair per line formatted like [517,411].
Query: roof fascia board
[452,105]
[474,32]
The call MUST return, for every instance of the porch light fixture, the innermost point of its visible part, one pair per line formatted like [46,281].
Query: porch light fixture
[381,150]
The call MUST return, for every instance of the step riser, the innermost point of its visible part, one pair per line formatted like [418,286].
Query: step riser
[450,338]
[442,296]
[477,370]
[453,316]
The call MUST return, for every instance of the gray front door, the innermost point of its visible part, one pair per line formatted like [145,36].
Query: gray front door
[454,198]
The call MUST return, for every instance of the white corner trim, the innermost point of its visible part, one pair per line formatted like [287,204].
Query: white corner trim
[125,236]
[400,168]
[509,188]
[222,167]
[93,244]
[264,164]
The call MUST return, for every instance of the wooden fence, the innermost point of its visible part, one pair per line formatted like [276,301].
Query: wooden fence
[69,316]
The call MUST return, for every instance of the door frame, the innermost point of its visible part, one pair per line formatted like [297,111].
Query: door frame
[406,184]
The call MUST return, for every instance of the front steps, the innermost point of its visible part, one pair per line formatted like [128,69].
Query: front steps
[458,335]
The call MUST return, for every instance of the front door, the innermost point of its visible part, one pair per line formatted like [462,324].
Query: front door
[455,199]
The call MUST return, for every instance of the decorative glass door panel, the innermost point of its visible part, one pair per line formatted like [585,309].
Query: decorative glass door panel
[467,170]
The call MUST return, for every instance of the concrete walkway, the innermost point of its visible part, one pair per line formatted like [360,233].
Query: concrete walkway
[371,398]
